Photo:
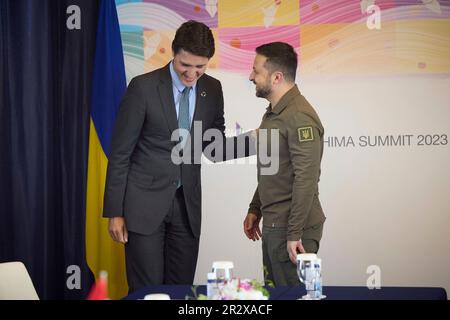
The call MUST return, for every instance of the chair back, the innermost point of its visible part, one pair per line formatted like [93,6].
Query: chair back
[15,282]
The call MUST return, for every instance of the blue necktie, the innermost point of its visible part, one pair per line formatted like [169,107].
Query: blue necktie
[183,114]
[183,118]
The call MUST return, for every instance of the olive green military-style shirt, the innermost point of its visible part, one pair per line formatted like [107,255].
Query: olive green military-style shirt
[290,197]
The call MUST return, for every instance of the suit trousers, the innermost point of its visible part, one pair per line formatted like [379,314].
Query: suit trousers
[278,268]
[168,255]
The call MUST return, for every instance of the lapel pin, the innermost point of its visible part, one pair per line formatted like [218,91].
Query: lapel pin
[203,94]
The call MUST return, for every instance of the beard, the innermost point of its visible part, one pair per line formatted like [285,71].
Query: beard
[263,91]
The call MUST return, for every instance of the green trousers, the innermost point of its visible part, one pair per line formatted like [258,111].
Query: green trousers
[278,267]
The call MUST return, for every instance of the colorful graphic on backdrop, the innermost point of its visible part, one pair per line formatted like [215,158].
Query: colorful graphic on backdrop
[331,37]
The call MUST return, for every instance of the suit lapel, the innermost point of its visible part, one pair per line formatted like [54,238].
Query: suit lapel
[166,95]
[200,102]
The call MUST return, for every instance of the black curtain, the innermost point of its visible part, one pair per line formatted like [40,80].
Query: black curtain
[45,85]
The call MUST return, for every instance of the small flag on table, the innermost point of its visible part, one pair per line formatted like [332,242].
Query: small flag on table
[99,290]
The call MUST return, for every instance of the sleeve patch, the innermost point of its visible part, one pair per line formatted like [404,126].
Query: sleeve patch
[305,134]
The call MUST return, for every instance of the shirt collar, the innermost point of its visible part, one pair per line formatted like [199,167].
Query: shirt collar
[284,101]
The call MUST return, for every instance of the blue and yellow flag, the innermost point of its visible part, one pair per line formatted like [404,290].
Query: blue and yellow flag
[109,85]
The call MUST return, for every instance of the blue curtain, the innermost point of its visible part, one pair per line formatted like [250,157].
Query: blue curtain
[45,85]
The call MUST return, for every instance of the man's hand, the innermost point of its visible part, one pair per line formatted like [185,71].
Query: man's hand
[251,226]
[118,230]
[292,247]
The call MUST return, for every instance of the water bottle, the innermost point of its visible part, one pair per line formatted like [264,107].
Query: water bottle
[212,289]
[317,279]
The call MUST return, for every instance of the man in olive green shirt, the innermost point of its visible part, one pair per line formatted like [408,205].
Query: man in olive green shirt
[287,201]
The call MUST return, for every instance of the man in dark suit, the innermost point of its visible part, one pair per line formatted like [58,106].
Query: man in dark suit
[152,201]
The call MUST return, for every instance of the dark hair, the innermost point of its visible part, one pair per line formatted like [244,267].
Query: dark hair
[280,57]
[194,37]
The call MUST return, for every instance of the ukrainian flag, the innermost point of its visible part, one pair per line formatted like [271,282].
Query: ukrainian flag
[109,84]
